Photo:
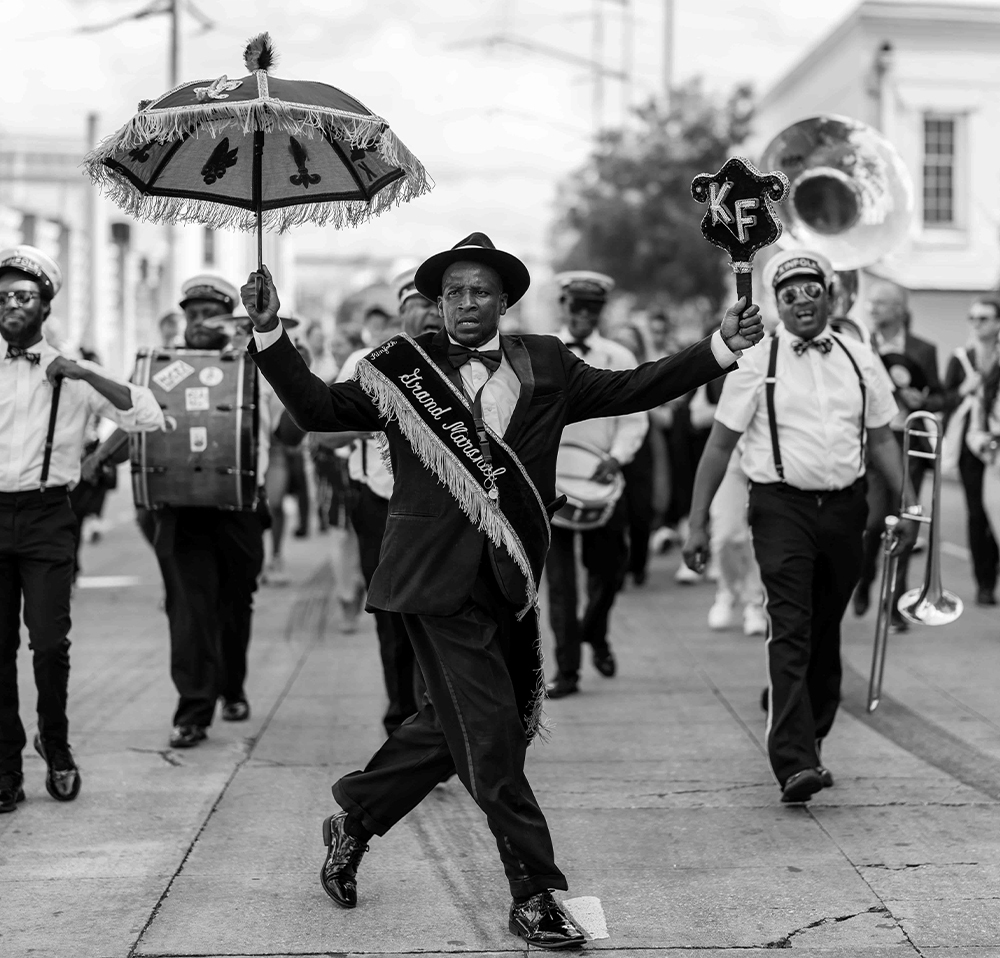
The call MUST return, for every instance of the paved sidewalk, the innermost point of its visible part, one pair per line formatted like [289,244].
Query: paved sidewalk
[654,783]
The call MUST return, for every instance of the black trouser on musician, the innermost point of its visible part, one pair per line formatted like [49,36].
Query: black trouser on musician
[605,558]
[982,537]
[403,683]
[37,559]
[468,723]
[808,547]
[210,560]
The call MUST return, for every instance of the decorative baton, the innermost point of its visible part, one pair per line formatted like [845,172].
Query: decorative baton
[740,218]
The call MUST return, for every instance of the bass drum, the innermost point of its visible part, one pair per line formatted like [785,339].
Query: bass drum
[589,504]
[207,456]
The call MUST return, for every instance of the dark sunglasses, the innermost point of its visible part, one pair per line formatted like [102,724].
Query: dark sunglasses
[21,296]
[789,294]
[585,306]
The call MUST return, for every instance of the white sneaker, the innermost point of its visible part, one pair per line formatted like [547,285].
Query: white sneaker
[754,620]
[686,576]
[720,616]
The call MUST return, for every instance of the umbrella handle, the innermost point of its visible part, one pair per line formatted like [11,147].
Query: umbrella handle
[259,289]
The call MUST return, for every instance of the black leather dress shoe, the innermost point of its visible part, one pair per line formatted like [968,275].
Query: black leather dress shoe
[561,687]
[238,711]
[801,786]
[898,624]
[985,597]
[542,923]
[187,736]
[606,664]
[10,791]
[62,779]
[861,601]
[339,874]
[825,776]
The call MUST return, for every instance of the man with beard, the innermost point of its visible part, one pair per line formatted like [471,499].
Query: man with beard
[46,401]
[472,420]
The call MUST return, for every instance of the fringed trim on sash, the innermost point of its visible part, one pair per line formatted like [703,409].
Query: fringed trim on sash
[536,725]
[443,463]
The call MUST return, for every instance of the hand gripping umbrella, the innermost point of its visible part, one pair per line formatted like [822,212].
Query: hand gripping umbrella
[256,153]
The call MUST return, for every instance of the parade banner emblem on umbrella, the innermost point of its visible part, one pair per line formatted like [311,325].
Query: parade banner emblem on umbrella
[257,152]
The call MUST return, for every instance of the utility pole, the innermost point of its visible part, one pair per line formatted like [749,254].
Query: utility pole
[668,50]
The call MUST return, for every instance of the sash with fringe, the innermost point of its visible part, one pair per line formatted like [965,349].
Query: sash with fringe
[435,417]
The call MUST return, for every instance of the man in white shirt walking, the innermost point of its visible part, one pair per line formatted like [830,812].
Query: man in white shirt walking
[808,402]
[605,549]
[46,402]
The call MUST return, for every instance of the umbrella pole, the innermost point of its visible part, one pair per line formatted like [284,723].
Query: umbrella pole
[258,201]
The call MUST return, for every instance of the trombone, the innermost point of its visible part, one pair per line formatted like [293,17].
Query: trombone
[930,604]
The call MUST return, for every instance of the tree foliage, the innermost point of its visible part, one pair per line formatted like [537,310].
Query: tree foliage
[628,211]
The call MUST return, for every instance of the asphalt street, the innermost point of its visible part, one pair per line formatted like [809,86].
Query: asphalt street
[663,811]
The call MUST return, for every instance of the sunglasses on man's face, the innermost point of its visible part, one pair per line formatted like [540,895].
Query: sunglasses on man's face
[811,290]
[591,309]
[982,317]
[22,297]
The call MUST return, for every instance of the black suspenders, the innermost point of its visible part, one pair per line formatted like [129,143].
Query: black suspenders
[769,383]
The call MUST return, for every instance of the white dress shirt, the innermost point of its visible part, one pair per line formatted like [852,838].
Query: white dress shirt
[365,463]
[618,436]
[817,402]
[25,403]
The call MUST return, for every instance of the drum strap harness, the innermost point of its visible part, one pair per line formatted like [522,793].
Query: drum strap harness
[451,438]
[772,421]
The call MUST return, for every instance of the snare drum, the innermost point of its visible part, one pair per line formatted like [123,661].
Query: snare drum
[207,456]
[589,504]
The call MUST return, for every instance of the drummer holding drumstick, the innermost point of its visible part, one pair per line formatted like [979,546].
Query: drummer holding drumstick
[604,549]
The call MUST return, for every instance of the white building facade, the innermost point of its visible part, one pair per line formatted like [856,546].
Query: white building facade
[927,75]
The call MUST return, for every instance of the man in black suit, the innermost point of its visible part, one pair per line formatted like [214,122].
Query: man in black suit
[472,420]
[913,367]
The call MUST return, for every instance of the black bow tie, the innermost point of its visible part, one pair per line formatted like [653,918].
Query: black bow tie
[579,344]
[458,356]
[16,352]
[824,344]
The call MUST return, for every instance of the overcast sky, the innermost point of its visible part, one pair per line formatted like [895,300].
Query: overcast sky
[496,126]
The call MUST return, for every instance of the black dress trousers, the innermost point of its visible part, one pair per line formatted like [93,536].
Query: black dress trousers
[808,547]
[982,538]
[210,560]
[605,558]
[369,513]
[37,559]
[469,723]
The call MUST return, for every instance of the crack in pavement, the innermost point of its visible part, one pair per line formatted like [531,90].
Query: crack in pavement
[899,868]
[786,941]
[166,754]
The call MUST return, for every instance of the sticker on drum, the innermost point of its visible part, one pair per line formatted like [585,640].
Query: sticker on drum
[199,438]
[211,376]
[196,398]
[170,376]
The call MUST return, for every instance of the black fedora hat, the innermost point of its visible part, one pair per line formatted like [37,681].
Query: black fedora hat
[475,248]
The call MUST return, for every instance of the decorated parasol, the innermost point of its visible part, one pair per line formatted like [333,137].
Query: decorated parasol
[256,153]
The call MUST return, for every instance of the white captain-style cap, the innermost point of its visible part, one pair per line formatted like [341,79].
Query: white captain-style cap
[797,262]
[405,285]
[211,287]
[585,284]
[36,264]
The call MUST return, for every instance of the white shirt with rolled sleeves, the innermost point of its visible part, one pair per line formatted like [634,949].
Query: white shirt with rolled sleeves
[817,401]
[25,403]
[365,463]
[618,436]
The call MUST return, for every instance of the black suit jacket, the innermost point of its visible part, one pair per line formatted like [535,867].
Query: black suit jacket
[431,551]
[924,354]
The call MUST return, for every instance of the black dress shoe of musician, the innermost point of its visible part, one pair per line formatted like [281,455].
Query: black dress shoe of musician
[861,601]
[985,597]
[542,923]
[62,778]
[898,624]
[11,791]
[238,711]
[606,664]
[339,874]
[187,736]
[561,687]
[801,786]
[825,776]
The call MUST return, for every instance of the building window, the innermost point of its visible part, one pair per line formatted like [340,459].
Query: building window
[209,246]
[939,171]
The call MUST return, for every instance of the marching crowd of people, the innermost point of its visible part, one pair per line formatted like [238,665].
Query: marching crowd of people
[442,458]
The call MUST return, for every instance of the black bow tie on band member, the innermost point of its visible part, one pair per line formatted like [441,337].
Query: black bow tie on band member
[823,343]
[459,355]
[580,344]
[16,352]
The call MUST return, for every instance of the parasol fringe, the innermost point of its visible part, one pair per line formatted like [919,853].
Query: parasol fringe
[267,115]
[172,209]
